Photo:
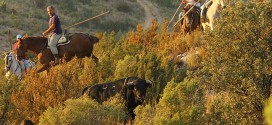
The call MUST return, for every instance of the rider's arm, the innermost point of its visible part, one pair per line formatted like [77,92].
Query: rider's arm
[52,27]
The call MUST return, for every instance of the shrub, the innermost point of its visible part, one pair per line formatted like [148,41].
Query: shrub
[237,64]
[174,106]
[39,3]
[37,92]
[84,111]
[164,3]
[123,7]
[110,25]
[3,5]
[268,112]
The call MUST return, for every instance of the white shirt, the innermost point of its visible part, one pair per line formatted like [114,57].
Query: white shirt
[192,2]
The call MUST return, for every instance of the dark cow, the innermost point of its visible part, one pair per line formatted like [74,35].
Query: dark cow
[132,90]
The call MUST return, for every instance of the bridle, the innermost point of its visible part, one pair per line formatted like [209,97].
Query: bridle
[132,83]
[21,52]
[9,61]
[190,18]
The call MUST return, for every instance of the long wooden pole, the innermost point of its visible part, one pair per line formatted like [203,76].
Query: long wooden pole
[174,15]
[186,13]
[87,20]
[9,39]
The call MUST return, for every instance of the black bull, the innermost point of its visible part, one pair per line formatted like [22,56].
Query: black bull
[132,90]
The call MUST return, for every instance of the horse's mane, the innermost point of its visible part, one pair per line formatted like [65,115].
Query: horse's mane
[34,38]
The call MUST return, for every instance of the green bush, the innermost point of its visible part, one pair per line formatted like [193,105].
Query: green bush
[7,87]
[164,3]
[232,82]
[268,112]
[123,7]
[237,64]
[39,3]
[174,106]
[3,6]
[84,111]
[110,25]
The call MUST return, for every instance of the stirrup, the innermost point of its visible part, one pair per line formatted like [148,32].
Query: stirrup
[57,59]
[56,62]
[203,19]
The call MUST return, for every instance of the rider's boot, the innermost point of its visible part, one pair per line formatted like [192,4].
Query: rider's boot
[203,14]
[57,58]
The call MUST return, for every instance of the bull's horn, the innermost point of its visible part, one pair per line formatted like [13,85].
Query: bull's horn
[125,81]
[105,87]
[149,81]
[130,83]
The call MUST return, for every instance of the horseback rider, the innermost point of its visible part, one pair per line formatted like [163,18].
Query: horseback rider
[23,62]
[204,7]
[54,32]
[195,3]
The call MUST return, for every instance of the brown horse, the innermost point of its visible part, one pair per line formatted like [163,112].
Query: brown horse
[191,20]
[81,45]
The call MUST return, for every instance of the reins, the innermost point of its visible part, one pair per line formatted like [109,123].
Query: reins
[186,13]
[192,18]
[17,63]
[44,46]
[7,61]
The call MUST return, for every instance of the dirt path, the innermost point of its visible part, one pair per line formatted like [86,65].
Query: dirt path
[151,12]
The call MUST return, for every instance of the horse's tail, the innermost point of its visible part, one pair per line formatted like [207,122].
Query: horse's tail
[93,39]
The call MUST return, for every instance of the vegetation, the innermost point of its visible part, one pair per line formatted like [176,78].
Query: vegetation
[84,111]
[268,112]
[228,82]
[164,3]
[30,16]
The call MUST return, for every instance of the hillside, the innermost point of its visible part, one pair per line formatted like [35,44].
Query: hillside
[30,16]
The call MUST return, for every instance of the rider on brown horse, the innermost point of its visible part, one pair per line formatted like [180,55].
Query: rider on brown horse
[54,32]
[189,2]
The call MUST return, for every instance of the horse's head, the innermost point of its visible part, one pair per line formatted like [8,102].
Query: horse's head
[8,61]
[21,49]
[188,18]
[221,3]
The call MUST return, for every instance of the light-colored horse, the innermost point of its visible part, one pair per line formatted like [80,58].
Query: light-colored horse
[213,13]
[13,66]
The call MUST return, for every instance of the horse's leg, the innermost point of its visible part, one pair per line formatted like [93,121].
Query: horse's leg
[44,67]
[22,67]
[47,72]
[66,57]
[95,58]
[204,27]
[212,25]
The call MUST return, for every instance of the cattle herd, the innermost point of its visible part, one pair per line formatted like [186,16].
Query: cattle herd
[131,89]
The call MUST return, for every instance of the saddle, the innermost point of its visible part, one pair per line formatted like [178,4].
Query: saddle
[64,39]
[204,9]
